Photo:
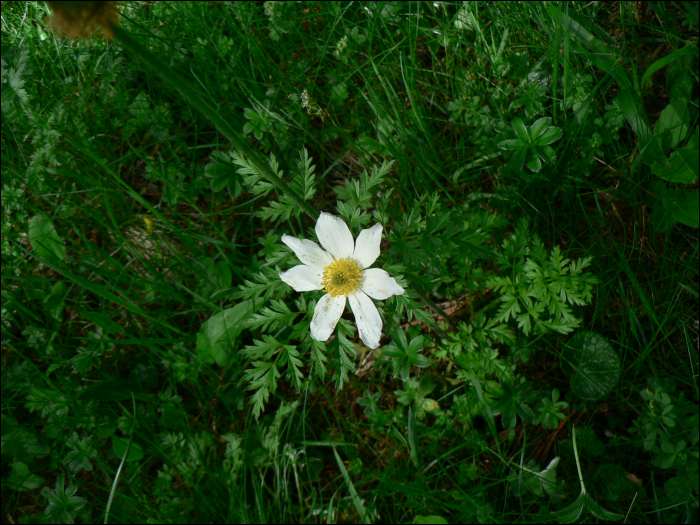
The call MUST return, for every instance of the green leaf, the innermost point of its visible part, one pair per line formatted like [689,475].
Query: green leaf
[630,103]
[119,445]
[583,501]
[399,339]
[429,520]
[672,126]
[521,130]
[550,135]
[679,489]
[683,206]
[103,322]
[688,50]
[22,479]
[45,239]
[63,504]
[356,500]
[593,364]
[539,127]
[518,159]
[548,477]
[512,144]
[604,58]
[681,167]
[533,161]
[215,338]
[691,162]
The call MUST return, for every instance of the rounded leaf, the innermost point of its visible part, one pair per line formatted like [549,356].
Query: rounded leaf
[593,364]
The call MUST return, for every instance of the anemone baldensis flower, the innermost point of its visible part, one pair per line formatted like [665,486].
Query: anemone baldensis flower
[343,270]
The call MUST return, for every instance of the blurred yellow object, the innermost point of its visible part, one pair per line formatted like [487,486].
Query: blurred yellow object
[150,224]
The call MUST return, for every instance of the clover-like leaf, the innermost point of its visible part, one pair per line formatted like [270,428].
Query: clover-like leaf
[593,364]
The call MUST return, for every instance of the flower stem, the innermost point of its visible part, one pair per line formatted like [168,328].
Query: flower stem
[130,43]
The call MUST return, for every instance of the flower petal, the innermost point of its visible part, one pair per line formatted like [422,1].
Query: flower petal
[326,315]
[303,278]
[308,252]
[367,246]
[369,322]
[378,284]
[335,236]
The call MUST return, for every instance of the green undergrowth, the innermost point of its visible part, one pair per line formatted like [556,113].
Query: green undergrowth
[535,170]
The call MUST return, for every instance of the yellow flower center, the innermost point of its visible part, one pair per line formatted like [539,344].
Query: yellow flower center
[342,277]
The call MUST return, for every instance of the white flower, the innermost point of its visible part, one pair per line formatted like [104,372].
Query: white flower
[342,271]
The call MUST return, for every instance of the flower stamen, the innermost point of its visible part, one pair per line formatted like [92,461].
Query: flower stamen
[342,277]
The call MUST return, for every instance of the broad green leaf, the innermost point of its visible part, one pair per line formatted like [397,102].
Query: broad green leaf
[662,219]
[691,160]
[632,108]
[20,442]
[590,443]
[519,159]
[429,520]
[548,136]
[679,489]
[683,206]
[572,512]
[548,477]
[417,344]
[512,144]
[22,479]
[583,501]
[546,153]
[681,167]
[217,334]
[399,339]
[533,161]
[538,128]
[420,361]
[120,445]
[593,364]
[220,174]
[45,239]
[223,173]
[672,126]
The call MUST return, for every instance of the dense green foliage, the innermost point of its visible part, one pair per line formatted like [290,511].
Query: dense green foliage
[535,170]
